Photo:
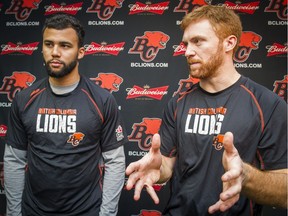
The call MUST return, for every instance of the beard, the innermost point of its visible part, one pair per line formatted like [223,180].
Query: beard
[209,69]
[67,69]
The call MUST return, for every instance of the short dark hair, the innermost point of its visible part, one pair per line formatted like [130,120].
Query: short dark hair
[63,21]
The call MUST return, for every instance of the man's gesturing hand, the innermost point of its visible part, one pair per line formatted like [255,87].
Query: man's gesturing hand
[232,178]
[146,171]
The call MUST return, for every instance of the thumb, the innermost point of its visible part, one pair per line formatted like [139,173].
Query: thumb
[228,142]
[156,143]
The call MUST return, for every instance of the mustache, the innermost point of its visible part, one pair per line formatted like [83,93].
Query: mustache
[192,61]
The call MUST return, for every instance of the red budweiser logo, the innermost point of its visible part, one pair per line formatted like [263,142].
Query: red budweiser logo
[157,8]
[248,8]
[69,9]
[276,49]
[179,49]
[3,130]
[112,49]
[155,93]
[25,48]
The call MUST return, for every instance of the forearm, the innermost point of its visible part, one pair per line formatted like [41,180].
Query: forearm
[14,177]
[166,169]
[265,187]
[114,176]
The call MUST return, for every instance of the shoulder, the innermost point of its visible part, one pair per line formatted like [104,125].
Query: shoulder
[260,92]
[266,98]
[97,93]
[27,93]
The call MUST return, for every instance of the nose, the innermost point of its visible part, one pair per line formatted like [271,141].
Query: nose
[55,51]
[190,51]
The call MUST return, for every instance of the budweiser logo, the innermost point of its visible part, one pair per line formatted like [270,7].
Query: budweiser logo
[26,48]
[139,7]
[3,130]
[276,49]
[155,93]
[248,8]
[179,49]
[69,9]
[112,49]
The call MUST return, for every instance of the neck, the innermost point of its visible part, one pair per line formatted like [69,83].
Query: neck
[67,80]
[220,82]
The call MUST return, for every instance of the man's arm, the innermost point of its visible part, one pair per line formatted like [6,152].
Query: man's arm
[265,187]
[114,176]
[150,169]
[14,177]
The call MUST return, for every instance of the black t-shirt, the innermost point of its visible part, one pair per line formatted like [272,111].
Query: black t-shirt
[191,130]
[64,136]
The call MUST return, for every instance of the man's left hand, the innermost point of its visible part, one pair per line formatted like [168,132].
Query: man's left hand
[232,178]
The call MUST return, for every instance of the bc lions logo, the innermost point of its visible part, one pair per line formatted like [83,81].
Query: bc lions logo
[108,81]
[144,131]
[15,83]
[185,84]
[149,45]
[75,138]
[190,5]
[218,141]
[22,8]
[249,41]
[279,7]
[104,9]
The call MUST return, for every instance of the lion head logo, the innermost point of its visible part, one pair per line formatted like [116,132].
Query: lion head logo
[250,39]
[33,4]
[108,81]
[156,39]
[149,45]
[75,138]
[114,3]
[15,83]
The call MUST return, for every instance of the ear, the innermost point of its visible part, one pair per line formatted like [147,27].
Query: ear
[230,42]
[81,53]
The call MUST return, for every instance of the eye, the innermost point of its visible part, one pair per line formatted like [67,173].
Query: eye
[196,41]
[48,44]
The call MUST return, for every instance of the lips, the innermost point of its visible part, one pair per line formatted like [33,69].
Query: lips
[55,63]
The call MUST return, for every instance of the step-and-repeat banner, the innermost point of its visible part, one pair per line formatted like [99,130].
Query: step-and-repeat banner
[134,50]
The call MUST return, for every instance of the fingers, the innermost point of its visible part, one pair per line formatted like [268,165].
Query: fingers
[231,174]
[138,188]
[133,177]
[233,191]
[223,206]
[152,193]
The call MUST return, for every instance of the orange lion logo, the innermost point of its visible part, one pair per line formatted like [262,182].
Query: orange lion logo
[152,125]
[108,81]
[250,39]
[156,39]
[23,79]
[114,3]
[33,4]
[75,138]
